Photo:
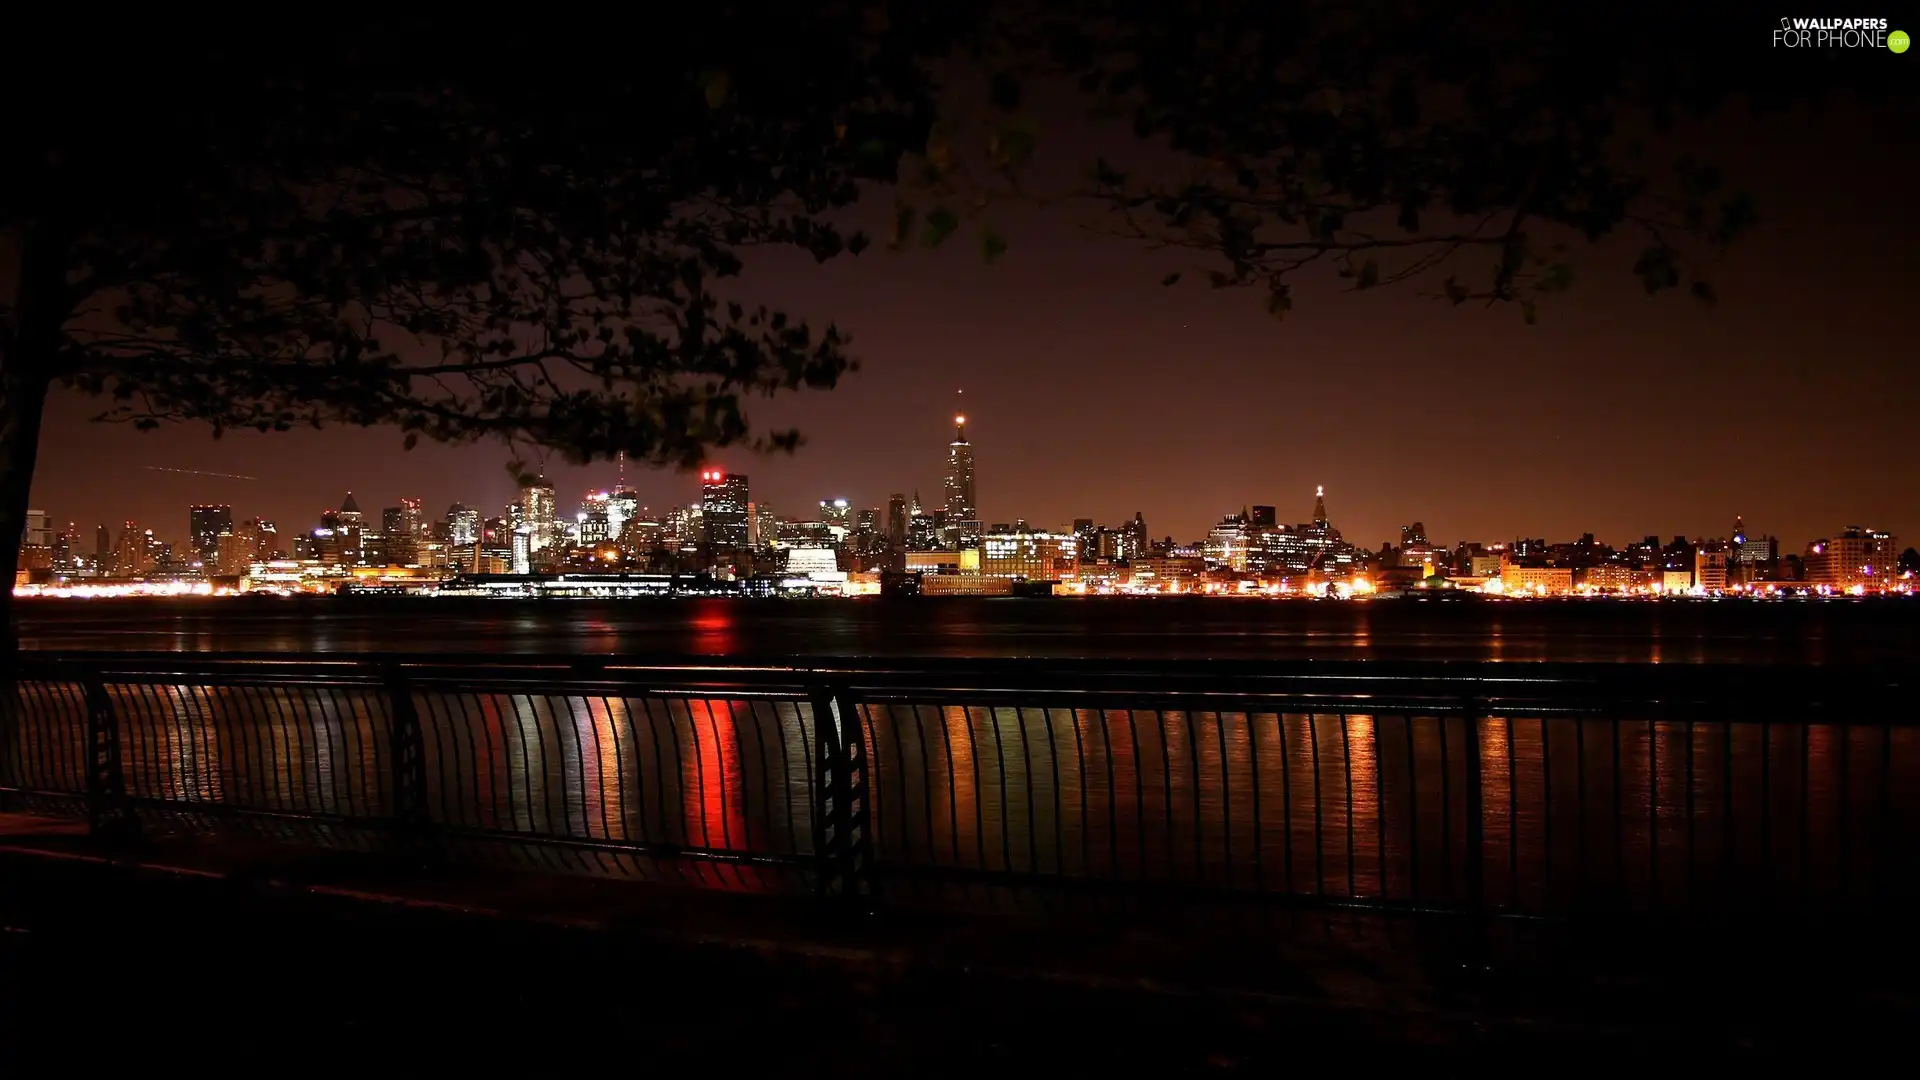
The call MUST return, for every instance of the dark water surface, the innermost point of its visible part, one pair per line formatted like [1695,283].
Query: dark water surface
[1741,632]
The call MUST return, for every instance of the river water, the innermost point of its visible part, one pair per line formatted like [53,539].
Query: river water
[1829,632]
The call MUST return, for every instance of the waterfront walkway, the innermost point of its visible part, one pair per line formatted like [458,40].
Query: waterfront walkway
[196,945]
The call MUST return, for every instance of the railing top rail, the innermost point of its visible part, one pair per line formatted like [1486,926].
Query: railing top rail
[1777,686]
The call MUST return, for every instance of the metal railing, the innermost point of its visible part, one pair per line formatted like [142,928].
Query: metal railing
[1473,787]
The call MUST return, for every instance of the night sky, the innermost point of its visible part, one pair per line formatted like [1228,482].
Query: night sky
[1092,391]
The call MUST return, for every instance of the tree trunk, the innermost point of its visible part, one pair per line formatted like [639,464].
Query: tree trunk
[29,351]
[22,401]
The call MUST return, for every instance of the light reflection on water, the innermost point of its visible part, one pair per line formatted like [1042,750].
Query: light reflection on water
[1167,628]
[1570,811]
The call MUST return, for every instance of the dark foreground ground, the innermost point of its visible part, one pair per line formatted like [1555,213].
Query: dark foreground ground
[185,956]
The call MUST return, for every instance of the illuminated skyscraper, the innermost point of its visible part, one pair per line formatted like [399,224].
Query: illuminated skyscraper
[348,526]
[204,526]
[723,509]
[463,526]
[522,558]
[623,504]
[1320,506]
[537,502]
[414,521]
[835,514]
[962,509]
[594,517]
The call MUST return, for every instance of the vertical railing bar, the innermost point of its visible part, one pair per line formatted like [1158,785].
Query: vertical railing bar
[571,733]
[680,769]
[407,755]
[1059,811]
[1476,817]
[486,809]
[1380,806]
[720,761]
[1580,728]
[1080,775]
[1026,775]
[899,770]
[828,797]
[1191,723]
[1413,810]
[269,737]
[1845,734]
[1259,825]
[612,827]
[808,755]
[873,796]
[1883,829]
[1166,788]
[1693,858]
[1319,811]
[664,822]
[927,788]
[1226,794]
[109,812]
[786,773]
[302,732]
[633,809]
[979,802]
[1546,810]
[1346,768]
[1446,810]
[1806,803]
[1619,813]
[1139,796]
[740,753]
[1113,796]
[1653,811]
[1000,780]
[1766,806]
[1513,815]
[1727,776]
[953,782]
[159,776]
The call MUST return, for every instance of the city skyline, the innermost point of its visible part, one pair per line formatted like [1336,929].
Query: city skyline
[729,508]
[1093,391]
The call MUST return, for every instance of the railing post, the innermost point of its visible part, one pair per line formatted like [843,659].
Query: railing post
[842,840]
[109,813]
[1476,842]
[406,756]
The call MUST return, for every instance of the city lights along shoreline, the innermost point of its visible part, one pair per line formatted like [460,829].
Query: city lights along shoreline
[727,543]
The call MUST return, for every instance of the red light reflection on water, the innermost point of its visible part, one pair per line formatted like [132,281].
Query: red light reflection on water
[713,629]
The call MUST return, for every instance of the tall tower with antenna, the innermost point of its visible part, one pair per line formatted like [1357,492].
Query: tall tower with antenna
[962,507]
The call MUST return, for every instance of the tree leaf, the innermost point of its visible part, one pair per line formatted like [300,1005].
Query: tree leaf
[902,229]
[992,244]
[1004,91]
[941,223]
[714,85]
